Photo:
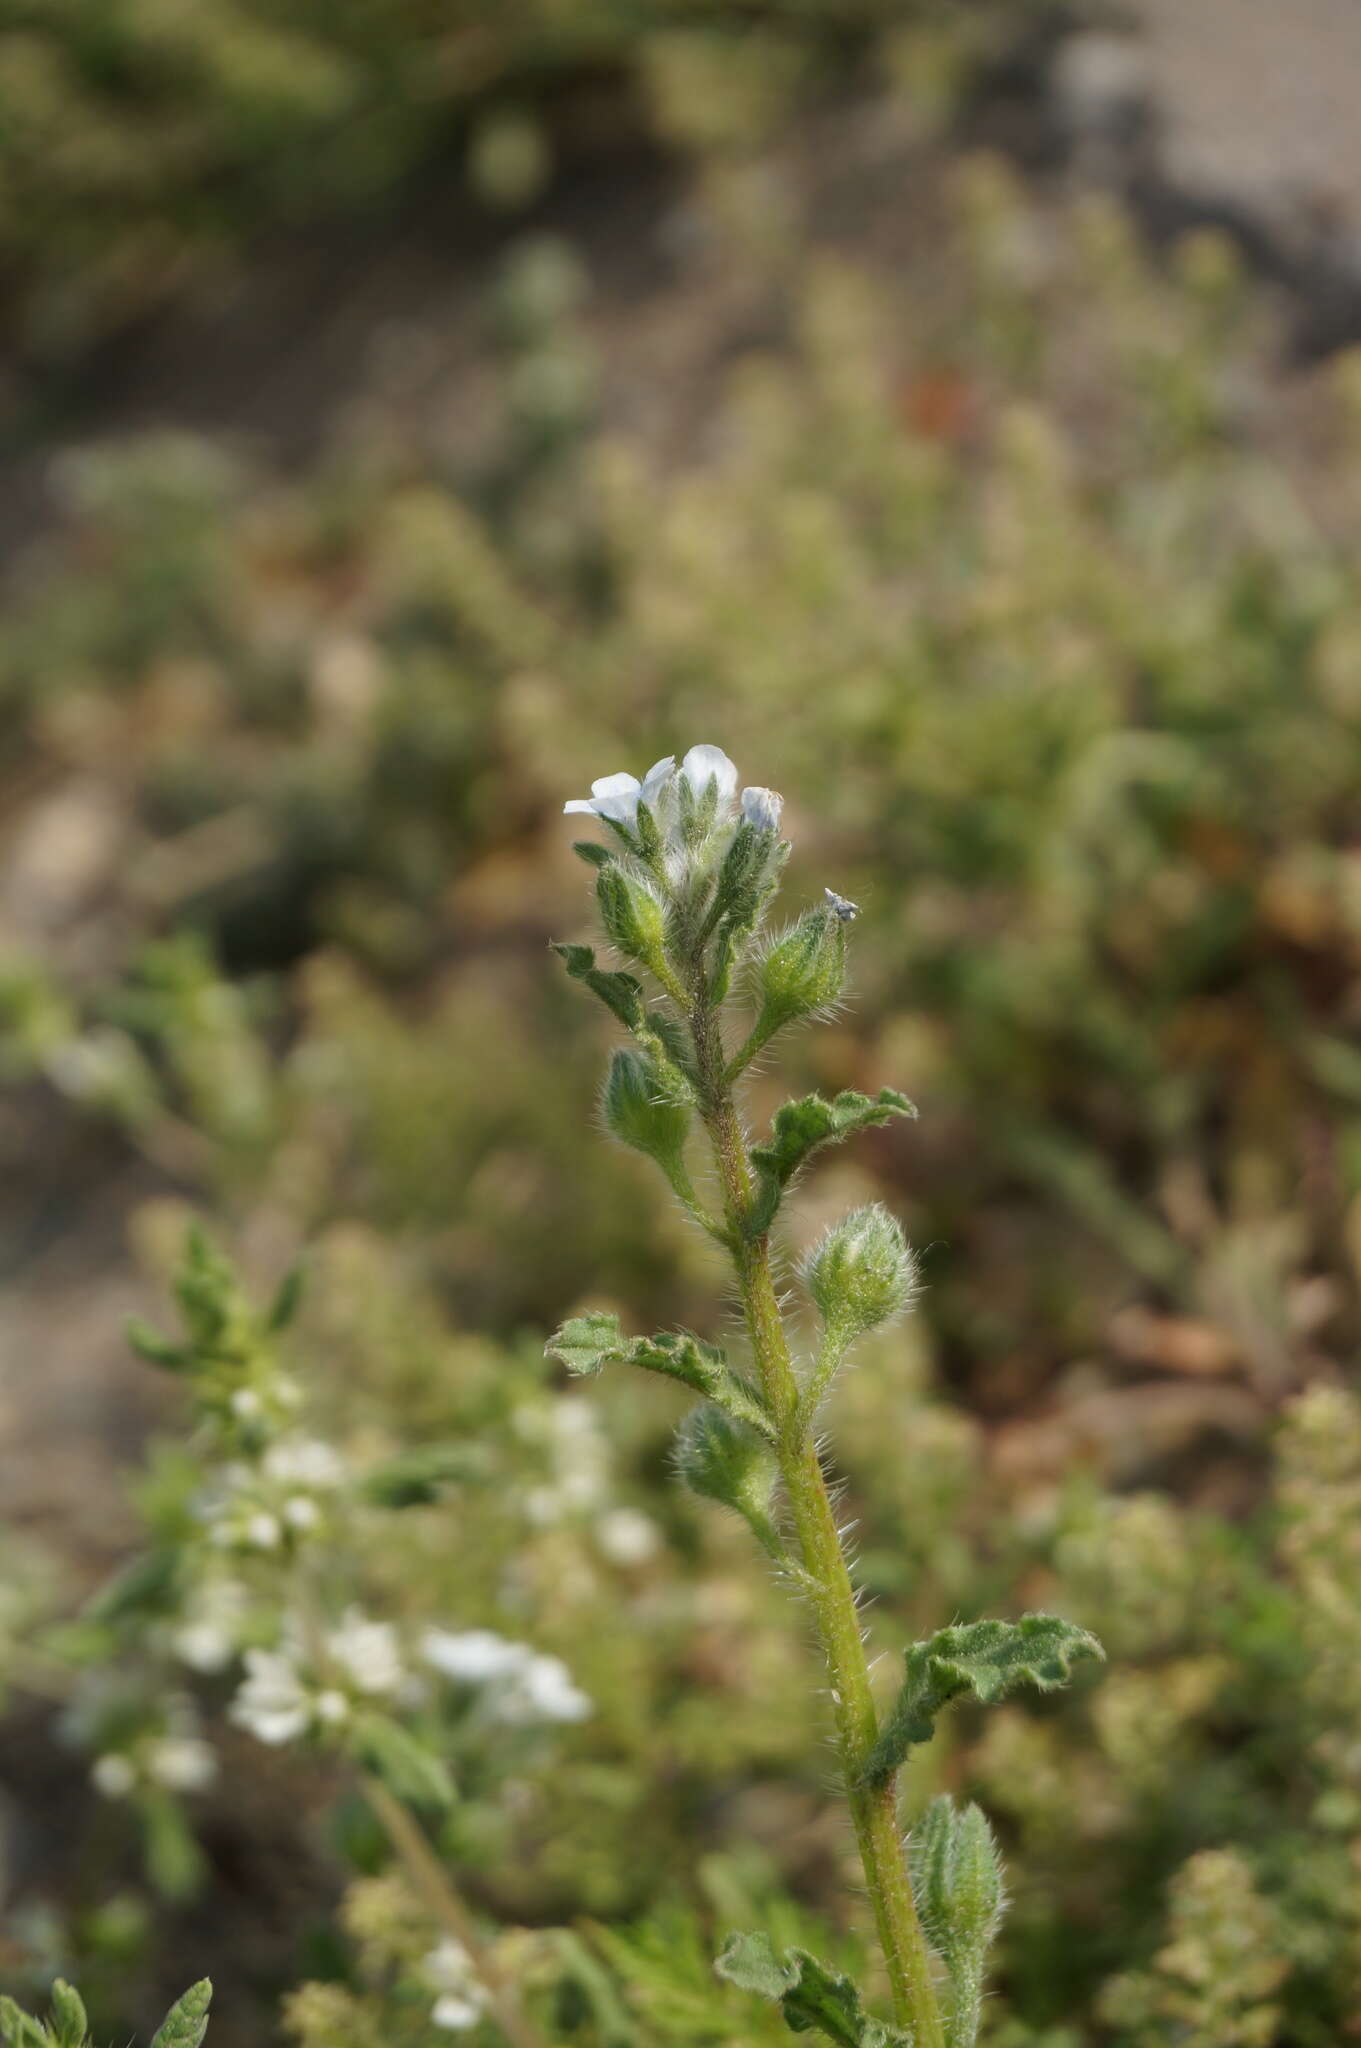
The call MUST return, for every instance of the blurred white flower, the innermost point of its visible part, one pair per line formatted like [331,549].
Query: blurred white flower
[113,1775]
[460,1998]
[627,1536]
[841,906]
[273,1702]
[473,1657]
[304,1461]
[367,1653]
[519,1685]
[541,1690]
[207,1637]
[181,1763]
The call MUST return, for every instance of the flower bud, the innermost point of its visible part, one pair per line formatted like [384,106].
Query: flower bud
[861,1273]
[762,808]
[802,971]
[957,1879]
[638,1111]
[632,914]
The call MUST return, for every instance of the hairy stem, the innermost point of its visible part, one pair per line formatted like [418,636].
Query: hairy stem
[431,1880]
[873,1807]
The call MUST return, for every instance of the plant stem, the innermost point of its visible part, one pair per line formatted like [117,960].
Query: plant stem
[430,1878]
[873,1808]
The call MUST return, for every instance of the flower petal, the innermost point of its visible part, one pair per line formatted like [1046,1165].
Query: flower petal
[657,777]
[705,764]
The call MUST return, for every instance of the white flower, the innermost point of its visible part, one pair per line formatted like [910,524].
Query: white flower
[841,906]
[304,1461]
[461,1999]
[273,1702]
[541,1690]
[262,1530]
[705,764]
[113,1775]
[473,1657]
[618,796]
[367,1653]
[762,808]
[519,1685]
[207,1638]
[627,1536]
[182,1763]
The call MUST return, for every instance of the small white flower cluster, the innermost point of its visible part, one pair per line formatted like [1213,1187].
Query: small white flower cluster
[172,1758]
[285,1694]
[519,1687]
[617,797]
[211,1624]
[279,1498]
[578,1459]
[460,1997]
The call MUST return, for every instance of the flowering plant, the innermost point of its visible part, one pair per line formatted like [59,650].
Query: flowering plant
[684,883]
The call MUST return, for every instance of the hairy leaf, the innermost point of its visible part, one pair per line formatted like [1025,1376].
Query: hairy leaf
[586,1343]
[622,993]
[812,1997]
[726,1461]
[800,1128]
[987,1659]
[187,2020]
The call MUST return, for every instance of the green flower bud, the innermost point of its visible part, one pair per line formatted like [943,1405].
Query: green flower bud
[641,1113]
[68,2015]
[957,1882]
[633,917]
[862,1272]
[801,972]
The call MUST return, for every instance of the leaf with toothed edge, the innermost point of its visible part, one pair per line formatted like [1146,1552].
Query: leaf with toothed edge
[622,993]
[812,1997]
[800,1128]
[987,1659]
[587,1343]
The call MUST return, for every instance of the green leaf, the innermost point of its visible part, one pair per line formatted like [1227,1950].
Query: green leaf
[987,1659]
[186,2023]
[586,1343]
[725,1460]
[284,1306]
[592,852]
[622,993]
[69,2023]
[416,1478]
[800,1128]
[812,1997]
[143,1586]
[403,1761]
[157,1350]
[19,2029]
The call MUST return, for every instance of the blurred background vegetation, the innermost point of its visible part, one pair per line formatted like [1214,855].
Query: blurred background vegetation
[414,410]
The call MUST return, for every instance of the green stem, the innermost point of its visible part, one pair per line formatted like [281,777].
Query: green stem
[432,1884]
[873,1807]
